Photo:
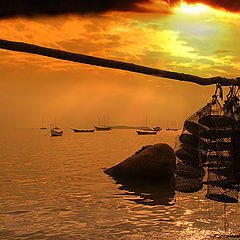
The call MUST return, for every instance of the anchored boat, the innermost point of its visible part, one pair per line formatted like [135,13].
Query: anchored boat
[56,131]
[83,130]
[146,132]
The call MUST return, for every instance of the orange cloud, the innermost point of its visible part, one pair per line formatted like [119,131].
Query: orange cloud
[232,6]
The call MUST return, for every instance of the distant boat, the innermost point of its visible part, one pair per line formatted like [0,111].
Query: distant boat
[172,129]
[102,126]
[157,129]
[43,124]
[56,131]
[146,132]
[82,130]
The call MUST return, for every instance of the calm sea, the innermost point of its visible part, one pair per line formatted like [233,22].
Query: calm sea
[55,188]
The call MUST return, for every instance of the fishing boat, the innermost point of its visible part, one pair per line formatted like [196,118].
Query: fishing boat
[56,131]
[146,132]
[83,130]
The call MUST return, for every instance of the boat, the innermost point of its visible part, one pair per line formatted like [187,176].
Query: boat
[56,131]
[146,132]
[157,128]
[83,130]
[102,126]
[43,124]
[172,129]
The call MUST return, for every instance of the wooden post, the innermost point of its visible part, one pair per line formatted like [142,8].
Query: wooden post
[75,57]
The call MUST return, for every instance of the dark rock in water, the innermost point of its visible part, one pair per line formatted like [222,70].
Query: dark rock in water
[155,162]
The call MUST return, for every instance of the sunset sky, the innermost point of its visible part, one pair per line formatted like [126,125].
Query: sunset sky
[190,37]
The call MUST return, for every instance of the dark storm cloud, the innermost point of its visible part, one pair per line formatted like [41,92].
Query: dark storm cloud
[232,6]
[31,8]
[51,7]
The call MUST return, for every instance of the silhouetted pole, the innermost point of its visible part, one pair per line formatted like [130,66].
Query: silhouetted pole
[75,57]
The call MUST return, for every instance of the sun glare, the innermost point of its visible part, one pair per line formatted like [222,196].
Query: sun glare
[185,8]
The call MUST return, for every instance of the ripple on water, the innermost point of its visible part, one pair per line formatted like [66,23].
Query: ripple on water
[55,188]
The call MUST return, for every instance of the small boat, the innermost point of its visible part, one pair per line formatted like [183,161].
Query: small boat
[157,129]
[83,130]
[146,132]
[43,124]
[56,131]
[102,128]
[171,129]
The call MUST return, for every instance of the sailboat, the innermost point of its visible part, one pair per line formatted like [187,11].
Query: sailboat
[43,124]
[172,129]
[147,130]
[102,124]
[56,131]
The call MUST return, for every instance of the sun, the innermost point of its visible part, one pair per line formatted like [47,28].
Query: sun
[185,8]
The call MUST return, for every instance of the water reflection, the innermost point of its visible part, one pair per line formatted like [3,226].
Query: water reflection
[148,192]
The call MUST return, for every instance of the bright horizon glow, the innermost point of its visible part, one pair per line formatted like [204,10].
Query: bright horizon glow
[185,8]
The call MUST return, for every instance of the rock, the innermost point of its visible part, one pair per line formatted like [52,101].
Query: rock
[151,162]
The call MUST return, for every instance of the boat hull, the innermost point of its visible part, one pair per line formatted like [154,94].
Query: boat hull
[83,130]
[146,132]
[56,132]
[103,128]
